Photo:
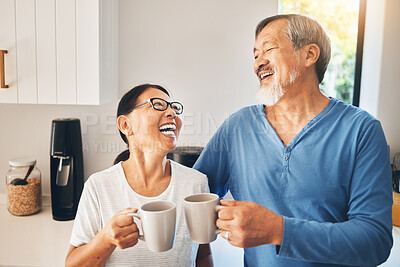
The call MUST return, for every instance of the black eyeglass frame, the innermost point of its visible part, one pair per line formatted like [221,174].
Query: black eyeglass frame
[166,107]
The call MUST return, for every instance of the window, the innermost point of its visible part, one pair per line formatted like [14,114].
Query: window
[344,22]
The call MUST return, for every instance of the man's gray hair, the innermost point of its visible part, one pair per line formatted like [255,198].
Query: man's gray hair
[302,30]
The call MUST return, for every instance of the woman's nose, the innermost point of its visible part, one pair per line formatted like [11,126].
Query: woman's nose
[170,112]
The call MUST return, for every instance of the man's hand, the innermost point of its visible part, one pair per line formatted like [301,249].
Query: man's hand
[249,224]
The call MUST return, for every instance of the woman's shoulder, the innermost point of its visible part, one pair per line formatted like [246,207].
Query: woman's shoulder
[184,171]
[108,175]
[178,167]
[188,180]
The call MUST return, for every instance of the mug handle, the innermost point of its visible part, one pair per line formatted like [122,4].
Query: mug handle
[137,216]
[217,208]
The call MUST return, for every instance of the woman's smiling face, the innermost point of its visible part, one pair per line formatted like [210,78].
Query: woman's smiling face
[148,129]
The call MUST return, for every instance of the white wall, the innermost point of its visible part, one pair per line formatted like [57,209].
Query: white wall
[199,50]
[380,81]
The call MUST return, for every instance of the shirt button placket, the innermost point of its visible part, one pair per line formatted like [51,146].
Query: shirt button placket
[286,155]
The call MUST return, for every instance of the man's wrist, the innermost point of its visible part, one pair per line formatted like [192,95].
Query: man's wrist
[278,231]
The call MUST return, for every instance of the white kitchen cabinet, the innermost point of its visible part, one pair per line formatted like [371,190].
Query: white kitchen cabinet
[7,42]
[46,52]
[60,52]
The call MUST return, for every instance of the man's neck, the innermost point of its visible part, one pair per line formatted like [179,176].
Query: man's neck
[294,110]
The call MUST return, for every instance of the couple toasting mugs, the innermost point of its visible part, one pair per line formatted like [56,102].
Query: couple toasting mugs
[310,174]
[142,177]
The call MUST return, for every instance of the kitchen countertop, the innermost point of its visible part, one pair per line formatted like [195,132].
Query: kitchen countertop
[34,240]
[38,240]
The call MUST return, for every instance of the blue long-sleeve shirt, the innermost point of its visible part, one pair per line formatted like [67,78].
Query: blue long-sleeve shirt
[332,184]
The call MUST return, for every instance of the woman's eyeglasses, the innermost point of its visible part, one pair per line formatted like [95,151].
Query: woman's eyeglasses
[161,105]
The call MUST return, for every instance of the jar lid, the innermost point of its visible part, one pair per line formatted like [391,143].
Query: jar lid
[20,162]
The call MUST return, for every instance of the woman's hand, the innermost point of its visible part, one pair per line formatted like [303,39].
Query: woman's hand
[121,230]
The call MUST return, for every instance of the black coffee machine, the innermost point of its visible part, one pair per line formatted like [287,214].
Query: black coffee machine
[66,168]
[185,155]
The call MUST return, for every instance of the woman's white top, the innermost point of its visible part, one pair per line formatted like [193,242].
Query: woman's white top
[108,191]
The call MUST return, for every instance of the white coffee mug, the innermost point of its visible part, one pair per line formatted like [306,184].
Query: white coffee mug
[158,220]
[201,212]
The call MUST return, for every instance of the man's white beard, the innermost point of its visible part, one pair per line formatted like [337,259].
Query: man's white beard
[270,94]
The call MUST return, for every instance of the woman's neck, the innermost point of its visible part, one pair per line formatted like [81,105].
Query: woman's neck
[148,173]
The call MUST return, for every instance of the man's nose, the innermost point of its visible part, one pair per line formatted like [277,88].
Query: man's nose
[261,60]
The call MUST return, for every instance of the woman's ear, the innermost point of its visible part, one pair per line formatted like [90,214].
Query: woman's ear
[312,54]
[124,125]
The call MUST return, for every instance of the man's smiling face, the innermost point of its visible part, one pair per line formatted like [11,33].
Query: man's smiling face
[276,62]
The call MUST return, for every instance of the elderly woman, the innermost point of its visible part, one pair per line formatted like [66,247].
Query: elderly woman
[103,232]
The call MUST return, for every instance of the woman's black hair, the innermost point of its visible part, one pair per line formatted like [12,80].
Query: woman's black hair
[125,106]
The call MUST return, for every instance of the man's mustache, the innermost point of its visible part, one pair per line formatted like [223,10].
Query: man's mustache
[264,67]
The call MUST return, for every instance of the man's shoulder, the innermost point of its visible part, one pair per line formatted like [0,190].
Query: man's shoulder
[248,110]
[352,114]
[243,116]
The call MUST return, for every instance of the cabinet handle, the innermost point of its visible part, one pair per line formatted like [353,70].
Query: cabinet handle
[3,74]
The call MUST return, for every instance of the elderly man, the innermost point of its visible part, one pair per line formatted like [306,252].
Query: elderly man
[310,174]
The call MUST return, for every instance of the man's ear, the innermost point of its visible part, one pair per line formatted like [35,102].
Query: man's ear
[124,125]
[312,54]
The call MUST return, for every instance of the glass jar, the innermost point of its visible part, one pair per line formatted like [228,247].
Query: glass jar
[23,197]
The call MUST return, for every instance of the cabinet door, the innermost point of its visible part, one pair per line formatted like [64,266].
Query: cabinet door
[66,52]
[59,51]
[46,51]
[88,54]
[97,51]
[7,42]
[26,51]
